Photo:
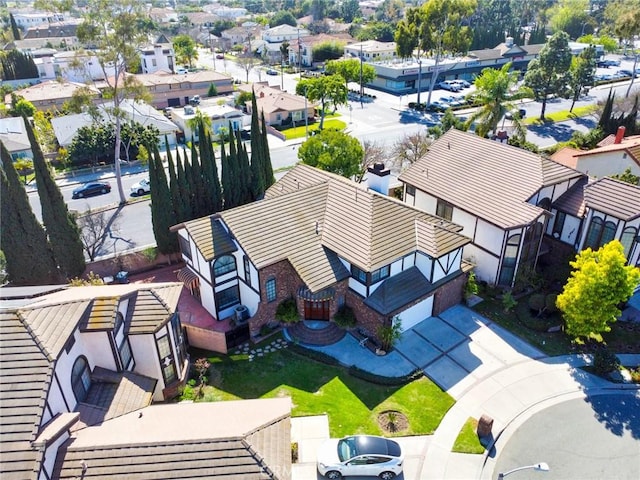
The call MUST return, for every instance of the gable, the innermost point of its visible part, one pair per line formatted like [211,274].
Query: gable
[613,197]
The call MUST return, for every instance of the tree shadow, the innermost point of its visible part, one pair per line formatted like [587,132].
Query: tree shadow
[561,132]
[618,413]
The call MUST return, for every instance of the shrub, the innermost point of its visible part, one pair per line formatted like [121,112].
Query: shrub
[537,303]
[471,287]
[550,303]
[508,302]
[287,311]
[605,361]
[389,334]
[213,91]
[345,317]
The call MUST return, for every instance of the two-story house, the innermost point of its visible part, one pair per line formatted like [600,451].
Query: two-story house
[501,195]
[326,242]
[301,49]
[157,56]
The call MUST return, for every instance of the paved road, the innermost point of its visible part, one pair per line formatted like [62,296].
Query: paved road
[603,441]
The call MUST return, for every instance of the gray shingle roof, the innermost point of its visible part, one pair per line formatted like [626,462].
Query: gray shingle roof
[201,440]
[309,217]
[398,291]
[613,197]
[572,201]
[488,179]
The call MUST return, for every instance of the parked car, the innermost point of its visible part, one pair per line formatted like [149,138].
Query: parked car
[360,455]
[181,70]
[220,56]
[195,100]
[520,112]
[91,188]
[271,71]
[462,83]
[449,85]
[437,106]
[141,187]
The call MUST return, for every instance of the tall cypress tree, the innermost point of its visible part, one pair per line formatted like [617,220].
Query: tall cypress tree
[216,192]
[60,225]
[209,172]
[269,179]
[14,28]
[183,185]
[229,175]
[244,171]
[257,171]
[162,214]
[30,259]
[174,188]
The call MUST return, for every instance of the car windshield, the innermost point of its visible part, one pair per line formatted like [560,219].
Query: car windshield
[346,449]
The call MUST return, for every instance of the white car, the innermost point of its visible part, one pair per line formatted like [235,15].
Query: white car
[450,85]
[362,455]
[141,187]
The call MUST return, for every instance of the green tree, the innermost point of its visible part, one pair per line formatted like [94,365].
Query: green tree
[15,31]
[571,17]
[267,168]
[582,71]
[351,70]
[243,169]
[350,10]
[333,151]
[15,65]
[549,73]
[439,27]
[30,259]
[283,17]
[212,91]
[183,185]
[185,48]
[599,282]
[177,200]
[60,225]
[117,29]
[325,51]
[21,107]
[627,177]
[493,95]
[627,28]
[230,190]
[91,144]
[258,181]
[162,213]
[326,90]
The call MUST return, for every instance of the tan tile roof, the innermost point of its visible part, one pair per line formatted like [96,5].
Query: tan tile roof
[24,383]
[152,308]
[488,179]
[613,197]
[51,90]
[309,215]
[210,237]
[270,99]
[198,440]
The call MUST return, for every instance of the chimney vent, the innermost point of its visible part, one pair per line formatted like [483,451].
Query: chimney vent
[378,178]
[619,135]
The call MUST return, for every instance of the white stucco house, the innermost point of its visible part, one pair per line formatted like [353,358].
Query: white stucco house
[326,242]
[158,56]
[220,115]
[501,195]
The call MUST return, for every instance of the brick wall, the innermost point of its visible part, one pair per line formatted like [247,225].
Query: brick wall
[206,339]
[449,294]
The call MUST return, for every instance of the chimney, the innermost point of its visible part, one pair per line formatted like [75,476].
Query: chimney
[378,179]
[619,135]
[509,42]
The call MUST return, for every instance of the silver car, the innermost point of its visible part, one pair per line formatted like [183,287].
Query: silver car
[360,455]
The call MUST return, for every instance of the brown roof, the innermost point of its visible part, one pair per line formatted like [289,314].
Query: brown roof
[51,90]
[566,156]
[24,383]
[488,179]
[613,197]
[245,439]
[630,145]
[271,99]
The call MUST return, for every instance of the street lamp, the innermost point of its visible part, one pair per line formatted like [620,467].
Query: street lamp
[538,467]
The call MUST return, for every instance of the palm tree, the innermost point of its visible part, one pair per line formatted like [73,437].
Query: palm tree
[493,93]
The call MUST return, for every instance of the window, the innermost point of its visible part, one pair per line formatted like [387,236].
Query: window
[247,270]
[599,233]
[627,239]
[509,260]
[270,289]
[359,274]
[176,328]
[80,378]
[118,323]
[166,359]
[380,274]
[125,353]
[228,297]
[444,210]
[185,246]
[224,265]
[545,203]
[411,190]
[558,223]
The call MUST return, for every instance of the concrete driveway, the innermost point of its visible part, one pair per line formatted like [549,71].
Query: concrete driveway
[459,347]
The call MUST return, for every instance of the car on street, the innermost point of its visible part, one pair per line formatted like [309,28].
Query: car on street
[271,71]
[220,56]
[360,455]
[91,188]
[141,187]
[520,112]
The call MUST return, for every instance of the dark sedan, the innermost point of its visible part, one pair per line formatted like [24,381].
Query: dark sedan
[91,188]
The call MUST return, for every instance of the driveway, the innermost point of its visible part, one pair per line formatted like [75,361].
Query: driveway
[459,347]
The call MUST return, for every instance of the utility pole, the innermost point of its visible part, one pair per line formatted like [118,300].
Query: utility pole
[300,58]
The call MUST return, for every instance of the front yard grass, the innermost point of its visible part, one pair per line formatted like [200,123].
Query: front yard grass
[468,441]
[300,132]
[352,404]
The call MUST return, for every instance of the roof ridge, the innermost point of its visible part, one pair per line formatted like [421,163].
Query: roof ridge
[34,336]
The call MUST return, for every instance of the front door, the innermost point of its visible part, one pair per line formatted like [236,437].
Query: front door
[316,310]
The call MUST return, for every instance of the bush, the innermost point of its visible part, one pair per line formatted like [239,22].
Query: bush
[537,303]
[550,303]
[287,311]
[313,354]
[508,302]
[605,361]
[344,317]
[471,287]
[385,381]
[390,334]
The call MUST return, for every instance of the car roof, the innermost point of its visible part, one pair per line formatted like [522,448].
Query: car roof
[369,445]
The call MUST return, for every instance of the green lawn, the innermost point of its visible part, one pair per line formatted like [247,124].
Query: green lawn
[352,404]
[468,441]
[562,115]
[300,132]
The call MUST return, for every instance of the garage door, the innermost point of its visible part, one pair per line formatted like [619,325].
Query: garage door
[417,313]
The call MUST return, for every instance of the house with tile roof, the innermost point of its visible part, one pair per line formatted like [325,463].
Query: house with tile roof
[612,156]
[79,356]
[279,107]
[301,49]
[80,369]
[502,196]
[52,94]
[326,242]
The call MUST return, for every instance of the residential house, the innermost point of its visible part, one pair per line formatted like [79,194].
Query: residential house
[158,56]
[163,15]
[612,156]
[13,134]
[65,127]
[52,94]
[81,367]
[502,196]
[301,49]
[326,242]
[221,116]
[224,12]
[72,66]
[283,33]
[244,36]
[28,19]
[57,34]
[279,107]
